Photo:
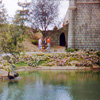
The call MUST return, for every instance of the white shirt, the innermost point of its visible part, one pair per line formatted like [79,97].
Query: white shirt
[40,42]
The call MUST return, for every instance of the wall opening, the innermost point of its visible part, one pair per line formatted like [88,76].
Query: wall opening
[62,39]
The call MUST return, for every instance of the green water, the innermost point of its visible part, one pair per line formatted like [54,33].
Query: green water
[53,85]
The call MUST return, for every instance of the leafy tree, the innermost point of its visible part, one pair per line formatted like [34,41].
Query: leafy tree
[3,14]
[21,17]
[10,39]
[43,13]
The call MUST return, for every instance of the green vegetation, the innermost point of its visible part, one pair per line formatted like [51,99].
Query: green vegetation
[71,49]
[34,42]
[98,53]
[20,64]
[79,59]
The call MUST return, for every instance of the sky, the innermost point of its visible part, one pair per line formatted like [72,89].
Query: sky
[12,6]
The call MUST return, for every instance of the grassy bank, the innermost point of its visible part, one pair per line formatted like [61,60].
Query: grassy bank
[76,58]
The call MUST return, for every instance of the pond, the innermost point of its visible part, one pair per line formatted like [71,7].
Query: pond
[52,85]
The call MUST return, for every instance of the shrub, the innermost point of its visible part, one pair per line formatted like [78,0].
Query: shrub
[98,63]
[40,62]
[6,64]
[98,53]
[91,50]
[21,64]
[76,49]
[70,50]
[6,58]
[34,42]
[32,64]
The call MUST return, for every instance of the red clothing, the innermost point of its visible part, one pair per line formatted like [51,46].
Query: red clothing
[48,40]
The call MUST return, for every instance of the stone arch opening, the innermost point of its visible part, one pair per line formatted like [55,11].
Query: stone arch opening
[62,39]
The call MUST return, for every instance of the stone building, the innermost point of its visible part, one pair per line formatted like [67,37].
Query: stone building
[81,26]
[58,37]
[84,24]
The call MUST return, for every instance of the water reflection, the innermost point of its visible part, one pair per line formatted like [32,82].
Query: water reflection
[11,83]
[53,85]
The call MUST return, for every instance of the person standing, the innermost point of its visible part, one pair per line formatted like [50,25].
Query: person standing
[44,43]
[48,44]
[40,44]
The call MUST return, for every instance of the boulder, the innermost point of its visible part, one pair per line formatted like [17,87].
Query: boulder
[3,73]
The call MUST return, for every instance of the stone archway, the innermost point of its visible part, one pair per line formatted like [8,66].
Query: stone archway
[62,39]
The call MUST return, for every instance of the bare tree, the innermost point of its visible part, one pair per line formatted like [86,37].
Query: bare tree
[43,13]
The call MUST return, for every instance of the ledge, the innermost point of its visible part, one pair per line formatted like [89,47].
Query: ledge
[73,8]
[88,3]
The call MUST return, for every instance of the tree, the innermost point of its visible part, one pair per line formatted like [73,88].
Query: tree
[43,13]
[22,15]
[10,39]
[3,14]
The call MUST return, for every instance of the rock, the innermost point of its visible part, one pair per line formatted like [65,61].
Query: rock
[3,73]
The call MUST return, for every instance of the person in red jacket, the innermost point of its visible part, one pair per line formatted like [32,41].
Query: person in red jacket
[48,44]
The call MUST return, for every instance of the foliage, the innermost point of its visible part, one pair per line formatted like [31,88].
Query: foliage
[20,64]
[98,63]
[6,64]
[6,58]
[70,50]
[34,41]
[43,13]
[98,53]
[11,38]
[79,58]
[76,49]
[21,17]
[3,14]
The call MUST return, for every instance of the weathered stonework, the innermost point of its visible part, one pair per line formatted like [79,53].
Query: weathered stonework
[55,35]
[84,25]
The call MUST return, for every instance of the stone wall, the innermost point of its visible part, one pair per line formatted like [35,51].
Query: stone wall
[86,25]
[55,35]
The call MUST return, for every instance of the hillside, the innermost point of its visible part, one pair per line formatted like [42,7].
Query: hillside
[28,46]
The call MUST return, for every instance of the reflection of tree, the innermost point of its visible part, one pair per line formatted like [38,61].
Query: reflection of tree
[10,83]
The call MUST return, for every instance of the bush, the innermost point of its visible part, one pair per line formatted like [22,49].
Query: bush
[76,49]
[91,50]
[21,64]
[34,42]
[98,63]
[70,50]
[6,58]
[98,53]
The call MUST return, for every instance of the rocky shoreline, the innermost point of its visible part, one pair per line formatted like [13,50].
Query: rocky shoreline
[4,73]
